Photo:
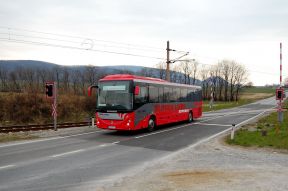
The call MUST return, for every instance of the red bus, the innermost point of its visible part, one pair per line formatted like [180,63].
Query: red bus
[129,102]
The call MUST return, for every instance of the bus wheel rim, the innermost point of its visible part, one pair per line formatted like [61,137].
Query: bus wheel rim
[151,123]
[190,116]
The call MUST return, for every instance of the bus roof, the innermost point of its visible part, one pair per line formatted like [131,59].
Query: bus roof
[130,77]
[141,79]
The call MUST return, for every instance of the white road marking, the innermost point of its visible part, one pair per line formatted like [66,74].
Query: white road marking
[202,122]
[215,135]
[68,153]
[7,166]
[116,142]
[224,125]
[161,131]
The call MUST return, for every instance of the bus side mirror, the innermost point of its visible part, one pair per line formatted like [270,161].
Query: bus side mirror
[136,90]
[90,88]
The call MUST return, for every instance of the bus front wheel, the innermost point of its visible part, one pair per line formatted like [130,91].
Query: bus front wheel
[190,117]
[151,124]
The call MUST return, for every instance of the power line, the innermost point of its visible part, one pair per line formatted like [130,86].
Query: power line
[76,48]
[81,37]
[76,42]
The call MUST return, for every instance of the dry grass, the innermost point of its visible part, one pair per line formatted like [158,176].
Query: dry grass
[15,137]
[24,108]
[255,96]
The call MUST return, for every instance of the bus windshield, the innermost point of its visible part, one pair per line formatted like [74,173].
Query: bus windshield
[115,95]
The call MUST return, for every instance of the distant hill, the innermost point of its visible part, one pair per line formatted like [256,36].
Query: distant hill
[11,65]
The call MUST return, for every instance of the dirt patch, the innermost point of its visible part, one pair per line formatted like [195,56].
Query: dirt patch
[200,178]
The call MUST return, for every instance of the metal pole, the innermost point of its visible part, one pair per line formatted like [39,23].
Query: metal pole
[280,114]
[55,106]
[212,97]
[168,62]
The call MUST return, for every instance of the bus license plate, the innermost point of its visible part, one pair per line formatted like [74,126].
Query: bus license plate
[111,127]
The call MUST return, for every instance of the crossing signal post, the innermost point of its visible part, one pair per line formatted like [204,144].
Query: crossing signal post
[51,93]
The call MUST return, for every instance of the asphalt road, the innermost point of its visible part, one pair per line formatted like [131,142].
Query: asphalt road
[84,161]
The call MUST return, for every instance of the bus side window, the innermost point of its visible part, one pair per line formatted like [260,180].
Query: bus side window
[199,95]
[153,94]
[166,94]
[161,96]
[190,95]
[175,94]
[183,95]
[142,97]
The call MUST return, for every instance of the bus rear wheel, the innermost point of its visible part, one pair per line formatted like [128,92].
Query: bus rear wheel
[190,117]
[151,124]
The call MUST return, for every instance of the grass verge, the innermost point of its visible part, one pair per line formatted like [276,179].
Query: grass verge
[15,137]
[267,132]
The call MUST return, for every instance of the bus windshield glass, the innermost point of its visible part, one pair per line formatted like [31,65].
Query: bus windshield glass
[114,95]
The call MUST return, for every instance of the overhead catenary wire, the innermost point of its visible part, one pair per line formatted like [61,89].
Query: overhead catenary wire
[77,48]
[10,29]
[10,38]
[76,42]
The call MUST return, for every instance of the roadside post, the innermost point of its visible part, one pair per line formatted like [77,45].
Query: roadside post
[232,131]
[92,122]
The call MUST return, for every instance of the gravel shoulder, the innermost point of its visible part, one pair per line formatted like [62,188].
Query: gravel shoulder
[22,137]
[212,166]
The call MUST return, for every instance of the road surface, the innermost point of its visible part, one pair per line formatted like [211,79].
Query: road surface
[84,161]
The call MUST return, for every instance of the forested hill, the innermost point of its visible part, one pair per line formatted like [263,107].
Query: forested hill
[16,67]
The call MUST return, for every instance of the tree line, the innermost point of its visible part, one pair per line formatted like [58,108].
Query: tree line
[73,80]
[223,80]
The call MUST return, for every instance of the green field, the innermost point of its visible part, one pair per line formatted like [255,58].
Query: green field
[247,95]
[258,90]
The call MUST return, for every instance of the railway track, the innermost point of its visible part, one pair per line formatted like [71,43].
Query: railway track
[18,128]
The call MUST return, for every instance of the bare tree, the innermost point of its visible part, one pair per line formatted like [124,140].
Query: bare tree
[241,77]
[14,81]
[194,71]
[161,66]
[185,68]
[232,80]
[91,74]
[66,78]
[4,78]
[225,69]
[205,83]
[75,77]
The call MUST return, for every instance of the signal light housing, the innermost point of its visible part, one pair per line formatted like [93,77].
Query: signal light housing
[49,90]
[279,94]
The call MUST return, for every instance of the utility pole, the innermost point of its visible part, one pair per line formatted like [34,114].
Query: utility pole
[168,62]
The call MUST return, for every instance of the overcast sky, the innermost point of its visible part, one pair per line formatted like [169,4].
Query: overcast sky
[247,31]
